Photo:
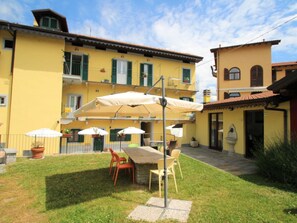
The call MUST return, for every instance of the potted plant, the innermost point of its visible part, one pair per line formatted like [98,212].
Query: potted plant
[194,142]
[187,80]
[67,133]
[143,75]
[37,150]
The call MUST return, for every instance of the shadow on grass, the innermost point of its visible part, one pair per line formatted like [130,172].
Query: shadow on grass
[262,181]
[291,211]
[73,188]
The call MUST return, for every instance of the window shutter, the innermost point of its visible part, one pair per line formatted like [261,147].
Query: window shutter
[85,67]
[67,56]
[150,75]
[114,71]
[226,74]
[129,73]
[226,95]
[141,74]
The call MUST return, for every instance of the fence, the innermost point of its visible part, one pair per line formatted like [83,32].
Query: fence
[86,144]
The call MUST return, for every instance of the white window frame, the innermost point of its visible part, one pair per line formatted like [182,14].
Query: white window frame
[69,101]
[71,61]
[3,100]
[122,76]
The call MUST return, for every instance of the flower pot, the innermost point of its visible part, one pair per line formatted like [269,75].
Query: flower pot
[66,135]
[194,143]
[37,152]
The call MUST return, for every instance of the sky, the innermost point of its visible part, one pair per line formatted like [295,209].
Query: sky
[187,26]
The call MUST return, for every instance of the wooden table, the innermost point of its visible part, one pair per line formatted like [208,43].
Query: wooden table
[145,158]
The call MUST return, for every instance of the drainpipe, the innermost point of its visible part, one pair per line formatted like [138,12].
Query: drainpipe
[285,114]
[14,34]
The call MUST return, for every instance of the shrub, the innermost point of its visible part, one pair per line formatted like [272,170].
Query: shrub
[278,161]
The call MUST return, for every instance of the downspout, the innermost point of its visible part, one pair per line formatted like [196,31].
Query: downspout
[285,114]
[13,33]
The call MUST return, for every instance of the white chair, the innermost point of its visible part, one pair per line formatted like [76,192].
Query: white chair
[160,172]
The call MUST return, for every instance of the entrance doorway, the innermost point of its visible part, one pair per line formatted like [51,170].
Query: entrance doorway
[216,131]
[254,131]
[147,127]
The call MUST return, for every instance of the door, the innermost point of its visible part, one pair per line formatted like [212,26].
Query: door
[98,143]
[254,131]
[216,131]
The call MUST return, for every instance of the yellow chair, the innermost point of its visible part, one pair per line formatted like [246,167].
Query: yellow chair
[160,172]
[175,153]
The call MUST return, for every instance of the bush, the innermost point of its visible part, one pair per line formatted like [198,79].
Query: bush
[278,161]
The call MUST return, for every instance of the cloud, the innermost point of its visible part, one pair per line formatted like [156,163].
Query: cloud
[13,11]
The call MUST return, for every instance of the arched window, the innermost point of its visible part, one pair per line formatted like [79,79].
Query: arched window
[234,73]
[256,76]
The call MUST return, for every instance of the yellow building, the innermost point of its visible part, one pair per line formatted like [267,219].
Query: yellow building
[243,69]
[47,73]
[246,113]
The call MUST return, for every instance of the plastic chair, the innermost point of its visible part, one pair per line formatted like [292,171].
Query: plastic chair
[175,153]
[172,145]
[121,166]
[133,145]
[160,172]
[147,141]
[113,160]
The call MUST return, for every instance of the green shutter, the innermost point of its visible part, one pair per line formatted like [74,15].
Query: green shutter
[150,75]
[141,74]
[114,71]
[67,56]
[85,67]
[129,73]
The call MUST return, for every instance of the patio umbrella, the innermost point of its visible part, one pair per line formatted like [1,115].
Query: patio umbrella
[93,131]
[133,104]
[44,133]
[129,130]
[139,104]
[176,130]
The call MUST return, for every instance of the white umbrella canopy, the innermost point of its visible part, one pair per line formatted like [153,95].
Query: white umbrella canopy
[131,130]
[133,104]
[44,132]
[176,132]
[93,131]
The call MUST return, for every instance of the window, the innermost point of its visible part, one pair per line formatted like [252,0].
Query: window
[74,102]
[291,72]
[256,76]
[273,76]
[186,98]
[146,74]
[121,72]
[8,44]
[3,101]
[186,75]
[49,22]
[234,94]
[113,137]
[76,64]
[75,136]
[234,73]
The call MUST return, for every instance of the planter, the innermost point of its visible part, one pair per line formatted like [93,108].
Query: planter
[37,153]
[194,143]
[66,135]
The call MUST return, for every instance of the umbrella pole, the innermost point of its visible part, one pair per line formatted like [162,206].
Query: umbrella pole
[164,103]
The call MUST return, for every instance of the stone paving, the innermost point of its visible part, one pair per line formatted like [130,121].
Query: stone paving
[234,164]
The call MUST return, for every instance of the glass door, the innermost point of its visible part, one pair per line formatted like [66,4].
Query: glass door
[216,131]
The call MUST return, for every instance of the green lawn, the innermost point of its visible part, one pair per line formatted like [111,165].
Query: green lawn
[77,188]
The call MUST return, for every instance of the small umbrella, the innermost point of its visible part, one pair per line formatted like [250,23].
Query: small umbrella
[176,130]
[93,131]
[129,130]
[44,132]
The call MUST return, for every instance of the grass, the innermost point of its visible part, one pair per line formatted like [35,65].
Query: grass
[77,188]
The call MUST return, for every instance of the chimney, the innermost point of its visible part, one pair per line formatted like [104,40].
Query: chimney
[206,96]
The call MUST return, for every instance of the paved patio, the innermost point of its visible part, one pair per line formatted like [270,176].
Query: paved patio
[233,164]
